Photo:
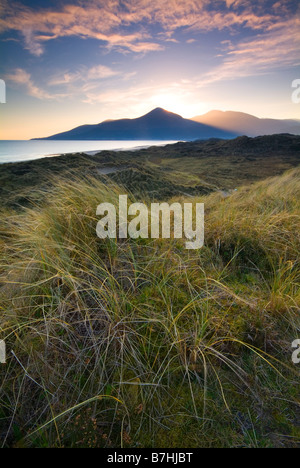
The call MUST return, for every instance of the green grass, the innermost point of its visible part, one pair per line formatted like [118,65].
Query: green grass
[144,343]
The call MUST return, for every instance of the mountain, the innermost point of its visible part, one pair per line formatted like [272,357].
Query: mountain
[246,124]
[160,124]
[156,125]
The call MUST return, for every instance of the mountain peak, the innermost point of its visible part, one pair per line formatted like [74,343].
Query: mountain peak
[160,113]
[158,110]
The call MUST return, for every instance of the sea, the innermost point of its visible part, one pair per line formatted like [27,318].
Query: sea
[21,150]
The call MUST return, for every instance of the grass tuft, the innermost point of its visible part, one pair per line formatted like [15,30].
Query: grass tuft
[185,348]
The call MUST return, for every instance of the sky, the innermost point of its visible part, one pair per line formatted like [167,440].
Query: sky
[68,63]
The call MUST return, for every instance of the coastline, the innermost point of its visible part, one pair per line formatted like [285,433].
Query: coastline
[31,150]
[180,169]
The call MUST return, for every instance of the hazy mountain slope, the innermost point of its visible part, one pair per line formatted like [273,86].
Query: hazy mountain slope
[156,125]
[246,124]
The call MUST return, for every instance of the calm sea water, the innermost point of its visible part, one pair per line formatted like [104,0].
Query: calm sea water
[14,151]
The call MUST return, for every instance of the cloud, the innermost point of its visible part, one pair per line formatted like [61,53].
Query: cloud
[82,83]
[101,72]
[110,20]
[135,95]
[31,43]
[262,35]
[84,75]
[88,83]
[277,48]
[100,20]
[23,78]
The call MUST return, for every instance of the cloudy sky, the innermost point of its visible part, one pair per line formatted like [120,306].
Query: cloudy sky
[66,63]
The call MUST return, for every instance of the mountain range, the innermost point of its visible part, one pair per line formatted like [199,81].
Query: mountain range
[246,124]
[160,124]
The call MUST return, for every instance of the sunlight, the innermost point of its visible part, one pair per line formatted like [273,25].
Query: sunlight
[177,103]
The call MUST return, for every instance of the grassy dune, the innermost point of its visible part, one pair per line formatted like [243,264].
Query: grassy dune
[193,168]
[141,343]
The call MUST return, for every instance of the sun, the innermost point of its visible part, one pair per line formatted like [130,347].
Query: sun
[170,102]
[177,102]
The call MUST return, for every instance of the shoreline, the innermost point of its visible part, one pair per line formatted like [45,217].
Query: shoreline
[190,168]
[89,152]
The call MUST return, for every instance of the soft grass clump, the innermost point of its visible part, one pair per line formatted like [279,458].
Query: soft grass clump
[143,343]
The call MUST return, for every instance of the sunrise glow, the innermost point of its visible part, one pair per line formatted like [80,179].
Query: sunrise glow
[77,62]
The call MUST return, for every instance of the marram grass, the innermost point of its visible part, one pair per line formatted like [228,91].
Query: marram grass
[143,343]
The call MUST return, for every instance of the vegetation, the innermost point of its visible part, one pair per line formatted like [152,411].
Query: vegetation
[193,168]
[142,343]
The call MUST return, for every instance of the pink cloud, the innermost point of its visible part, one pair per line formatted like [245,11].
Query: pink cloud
[104,20]
[23,78]
[272,50]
